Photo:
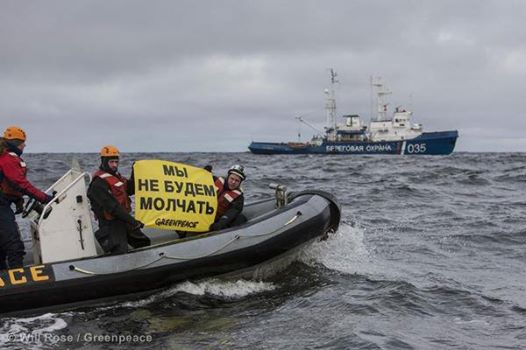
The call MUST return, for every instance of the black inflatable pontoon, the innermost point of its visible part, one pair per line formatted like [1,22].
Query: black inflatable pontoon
[274,228]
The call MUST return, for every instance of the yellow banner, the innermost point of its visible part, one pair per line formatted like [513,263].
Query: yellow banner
[174,196]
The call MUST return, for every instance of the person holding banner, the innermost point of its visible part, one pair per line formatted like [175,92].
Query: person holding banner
[230,199]
[109,193]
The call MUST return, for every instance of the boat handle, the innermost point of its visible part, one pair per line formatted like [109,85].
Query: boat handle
[294,218]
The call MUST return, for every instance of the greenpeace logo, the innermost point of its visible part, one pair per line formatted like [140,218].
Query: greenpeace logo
[176,223]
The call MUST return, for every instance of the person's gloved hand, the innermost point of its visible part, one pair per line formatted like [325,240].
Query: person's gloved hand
[19,206]
[216,226]
[137,225]
[49,198]
[132,174]
[219,225]
[208,168]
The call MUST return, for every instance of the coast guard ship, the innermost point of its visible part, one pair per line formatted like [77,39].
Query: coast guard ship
[383,135]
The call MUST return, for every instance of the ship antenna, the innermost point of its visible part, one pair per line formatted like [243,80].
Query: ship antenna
[330,106]
[333,77]
[371,98]
[299,130]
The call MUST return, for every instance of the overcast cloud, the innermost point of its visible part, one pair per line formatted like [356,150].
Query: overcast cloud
[215,75]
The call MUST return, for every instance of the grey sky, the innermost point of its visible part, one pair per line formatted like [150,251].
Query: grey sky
[215,75]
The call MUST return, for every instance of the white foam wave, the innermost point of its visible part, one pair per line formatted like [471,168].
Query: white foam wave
[32,332]
[347,251]
[139,303]
[459,320]
[228,289]
[343,251]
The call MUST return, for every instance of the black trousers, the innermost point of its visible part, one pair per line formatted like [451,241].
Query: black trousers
[114,236]
[11,246]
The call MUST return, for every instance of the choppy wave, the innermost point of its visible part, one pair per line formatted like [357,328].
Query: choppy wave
[430,254]
[31,332]
[211,287]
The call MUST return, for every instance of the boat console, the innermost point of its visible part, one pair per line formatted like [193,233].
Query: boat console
[62,229]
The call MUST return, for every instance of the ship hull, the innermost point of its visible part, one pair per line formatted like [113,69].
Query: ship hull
[429,143]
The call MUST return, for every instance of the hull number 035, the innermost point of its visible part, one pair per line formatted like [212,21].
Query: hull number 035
[416,148]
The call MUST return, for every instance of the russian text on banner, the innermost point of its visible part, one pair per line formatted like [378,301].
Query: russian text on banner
[174,196]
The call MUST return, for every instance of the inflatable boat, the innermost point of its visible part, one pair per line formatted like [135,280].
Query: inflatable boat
[68,268]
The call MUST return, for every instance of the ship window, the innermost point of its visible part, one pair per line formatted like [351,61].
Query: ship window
[402,124]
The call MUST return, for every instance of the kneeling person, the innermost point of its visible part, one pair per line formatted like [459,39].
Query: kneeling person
[109,193]
[230,199]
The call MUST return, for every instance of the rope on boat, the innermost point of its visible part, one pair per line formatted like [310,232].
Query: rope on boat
[87,272]
[294,218]
[163,256]
[236,237]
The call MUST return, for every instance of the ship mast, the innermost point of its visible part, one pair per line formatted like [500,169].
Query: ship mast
[381,91]
[330,106]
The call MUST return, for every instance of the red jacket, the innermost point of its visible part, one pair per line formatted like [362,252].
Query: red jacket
[13,181]
[224,196]
[118,185]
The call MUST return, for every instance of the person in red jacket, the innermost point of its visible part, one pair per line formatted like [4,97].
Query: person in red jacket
[109,194]
[230,199]
[13,185]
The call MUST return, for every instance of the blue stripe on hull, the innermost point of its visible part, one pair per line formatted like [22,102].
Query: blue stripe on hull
[432,143]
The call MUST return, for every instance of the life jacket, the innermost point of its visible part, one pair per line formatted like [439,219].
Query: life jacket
[13,181]
[5,188]
[118,185]
[225,197]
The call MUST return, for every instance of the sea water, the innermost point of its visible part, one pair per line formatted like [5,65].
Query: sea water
[430,254]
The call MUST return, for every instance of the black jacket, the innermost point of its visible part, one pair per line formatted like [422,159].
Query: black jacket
[99,194]
[236,207]
[232,213]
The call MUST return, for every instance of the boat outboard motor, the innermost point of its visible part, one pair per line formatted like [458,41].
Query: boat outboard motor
[281,194]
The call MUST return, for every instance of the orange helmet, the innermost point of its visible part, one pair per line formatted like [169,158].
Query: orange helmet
[109,151]
[14,133]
